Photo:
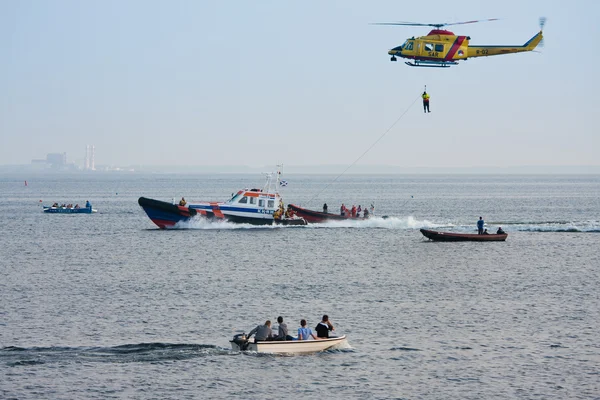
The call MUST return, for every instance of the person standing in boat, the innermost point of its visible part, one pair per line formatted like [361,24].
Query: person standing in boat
[358,210]
[366,213]
[325,208]
[353,211]
[343,210]
[480,224]
[282,330]
[324,327]
[262,332]
[305,333]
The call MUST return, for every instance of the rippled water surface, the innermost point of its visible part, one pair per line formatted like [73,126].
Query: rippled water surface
[107,306]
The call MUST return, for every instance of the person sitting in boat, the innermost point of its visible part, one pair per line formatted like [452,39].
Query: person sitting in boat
[324,327]
[325,208]
[366,213]
[88,204]
[289,213]
[282,330]
[500,231]
[262,332]
[55,205]
[485,232]
[305,333]
[353,211]
[343,210]
[76,205]
[182,202]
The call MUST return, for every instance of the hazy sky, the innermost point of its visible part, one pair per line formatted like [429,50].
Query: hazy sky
[298,82]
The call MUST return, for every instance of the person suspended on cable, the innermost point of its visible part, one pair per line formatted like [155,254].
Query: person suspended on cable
[425,97]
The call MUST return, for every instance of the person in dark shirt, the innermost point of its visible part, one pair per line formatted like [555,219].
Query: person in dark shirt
[282,330]
[500,231]
[480,224]
[324,327]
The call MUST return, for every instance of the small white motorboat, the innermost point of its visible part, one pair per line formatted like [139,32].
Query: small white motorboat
[241,343]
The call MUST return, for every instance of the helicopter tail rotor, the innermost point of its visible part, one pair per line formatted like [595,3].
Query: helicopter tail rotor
[542,23]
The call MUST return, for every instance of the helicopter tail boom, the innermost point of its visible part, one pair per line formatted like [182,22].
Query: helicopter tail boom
[486,51]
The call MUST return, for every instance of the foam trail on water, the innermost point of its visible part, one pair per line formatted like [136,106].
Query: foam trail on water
[200,222]
[408,222]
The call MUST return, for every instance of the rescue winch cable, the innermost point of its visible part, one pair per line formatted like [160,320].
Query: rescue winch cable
[366,151]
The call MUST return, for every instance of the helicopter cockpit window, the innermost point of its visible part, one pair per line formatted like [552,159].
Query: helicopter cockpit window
[408,45]
[428,47]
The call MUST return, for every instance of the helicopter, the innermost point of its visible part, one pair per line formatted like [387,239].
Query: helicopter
[442,48]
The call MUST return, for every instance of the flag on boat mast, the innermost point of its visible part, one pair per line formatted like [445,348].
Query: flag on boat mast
[283,183]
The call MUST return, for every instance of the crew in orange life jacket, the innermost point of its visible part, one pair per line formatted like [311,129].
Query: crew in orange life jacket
[425,97]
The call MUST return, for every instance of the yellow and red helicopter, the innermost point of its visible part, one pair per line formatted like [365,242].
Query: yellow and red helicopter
[442,48]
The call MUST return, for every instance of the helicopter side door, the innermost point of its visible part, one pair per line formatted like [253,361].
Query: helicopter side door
[432,49]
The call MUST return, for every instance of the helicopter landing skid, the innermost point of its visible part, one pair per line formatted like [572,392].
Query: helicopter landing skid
[435,64]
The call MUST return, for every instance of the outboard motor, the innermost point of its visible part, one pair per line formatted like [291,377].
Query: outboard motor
[241,341]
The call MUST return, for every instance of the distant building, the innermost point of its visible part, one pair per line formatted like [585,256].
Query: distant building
[53,161]
[56,160]
[90,158]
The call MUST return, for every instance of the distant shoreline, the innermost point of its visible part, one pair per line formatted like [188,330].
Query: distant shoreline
[28,170]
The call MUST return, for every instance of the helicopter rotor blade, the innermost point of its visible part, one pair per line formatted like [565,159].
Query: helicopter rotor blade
[542,22]
[472,22]
[404,23]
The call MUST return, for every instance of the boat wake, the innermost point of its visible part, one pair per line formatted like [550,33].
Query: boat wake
[551,226]
[142,352]
[409,222]
[200,222]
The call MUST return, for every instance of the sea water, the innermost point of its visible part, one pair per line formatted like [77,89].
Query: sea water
[107,306]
